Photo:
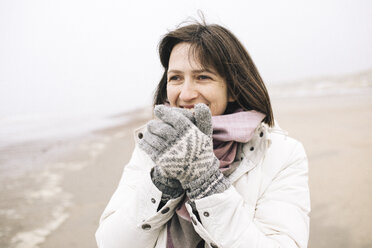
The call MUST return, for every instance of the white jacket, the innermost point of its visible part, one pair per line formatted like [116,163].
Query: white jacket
[267,205]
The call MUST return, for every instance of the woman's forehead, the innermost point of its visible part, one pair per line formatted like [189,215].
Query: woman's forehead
[189,55]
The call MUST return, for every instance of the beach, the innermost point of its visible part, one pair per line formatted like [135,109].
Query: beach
[59,202]
[337,135]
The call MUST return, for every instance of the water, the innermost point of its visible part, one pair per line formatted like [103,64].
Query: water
[37,154]
[357,83]
[27,128]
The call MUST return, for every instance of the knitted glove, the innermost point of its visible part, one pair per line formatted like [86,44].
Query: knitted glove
[184,151]
[171,188]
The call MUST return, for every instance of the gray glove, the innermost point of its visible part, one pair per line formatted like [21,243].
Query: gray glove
[184,151]
[171,188]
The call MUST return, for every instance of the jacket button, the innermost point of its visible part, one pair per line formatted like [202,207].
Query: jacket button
[153,200]
[214,245]
[261,134]
[146,227]
[140,135]
[252,148]
[165,210]
[194,221]
[206,214]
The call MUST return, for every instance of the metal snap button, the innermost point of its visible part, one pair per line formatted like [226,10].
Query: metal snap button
[146,227]
[214,245]
[140,135]
[206,214]
[153,200]
[252,148]
[165,210]
[194,221]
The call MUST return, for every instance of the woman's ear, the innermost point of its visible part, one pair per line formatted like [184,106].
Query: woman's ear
[231,99]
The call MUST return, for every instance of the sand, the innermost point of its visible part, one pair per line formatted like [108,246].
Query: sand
[337,134]
[76,184]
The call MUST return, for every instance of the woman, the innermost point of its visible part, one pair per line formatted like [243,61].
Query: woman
[212,170]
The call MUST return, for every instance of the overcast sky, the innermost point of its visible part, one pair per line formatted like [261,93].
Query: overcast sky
[66,56]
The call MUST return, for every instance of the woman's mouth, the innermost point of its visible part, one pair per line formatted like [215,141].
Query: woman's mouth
[187,106]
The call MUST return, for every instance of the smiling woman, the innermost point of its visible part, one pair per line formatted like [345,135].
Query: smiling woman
[221,175]
[214,49]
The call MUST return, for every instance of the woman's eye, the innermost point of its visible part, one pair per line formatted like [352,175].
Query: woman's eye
[203,77]
[173,78]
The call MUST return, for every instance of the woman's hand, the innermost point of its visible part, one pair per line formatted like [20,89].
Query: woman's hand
[184,151]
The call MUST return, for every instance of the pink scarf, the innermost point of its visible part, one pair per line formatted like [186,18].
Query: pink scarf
[228,131]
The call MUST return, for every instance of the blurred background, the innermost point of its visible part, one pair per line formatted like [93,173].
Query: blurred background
[76,77]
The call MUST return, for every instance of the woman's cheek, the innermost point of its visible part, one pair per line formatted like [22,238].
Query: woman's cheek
[172,95]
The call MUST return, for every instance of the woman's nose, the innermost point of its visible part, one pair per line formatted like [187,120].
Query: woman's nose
[188,91]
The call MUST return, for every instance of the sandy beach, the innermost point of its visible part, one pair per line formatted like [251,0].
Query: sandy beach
[337,135]
[58,203]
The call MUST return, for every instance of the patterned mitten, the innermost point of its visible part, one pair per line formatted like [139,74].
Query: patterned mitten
[184,151]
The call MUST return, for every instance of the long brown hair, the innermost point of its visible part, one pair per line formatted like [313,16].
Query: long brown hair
[216,47]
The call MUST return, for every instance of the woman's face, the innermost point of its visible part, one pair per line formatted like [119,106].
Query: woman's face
[188,83]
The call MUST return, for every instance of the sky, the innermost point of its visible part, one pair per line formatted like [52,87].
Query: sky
[64,57]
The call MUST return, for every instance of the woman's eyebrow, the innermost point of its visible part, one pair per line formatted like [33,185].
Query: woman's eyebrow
[193,71]
[203,70]
[174,71]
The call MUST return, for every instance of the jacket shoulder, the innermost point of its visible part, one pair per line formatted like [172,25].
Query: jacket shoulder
[285,169]
[283,152]
[286,146]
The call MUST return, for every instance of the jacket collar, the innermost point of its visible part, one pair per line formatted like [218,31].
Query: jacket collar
[253,152]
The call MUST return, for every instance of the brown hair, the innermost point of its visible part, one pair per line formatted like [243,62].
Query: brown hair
[216,47]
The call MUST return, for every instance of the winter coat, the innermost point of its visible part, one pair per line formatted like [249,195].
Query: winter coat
[267,205]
